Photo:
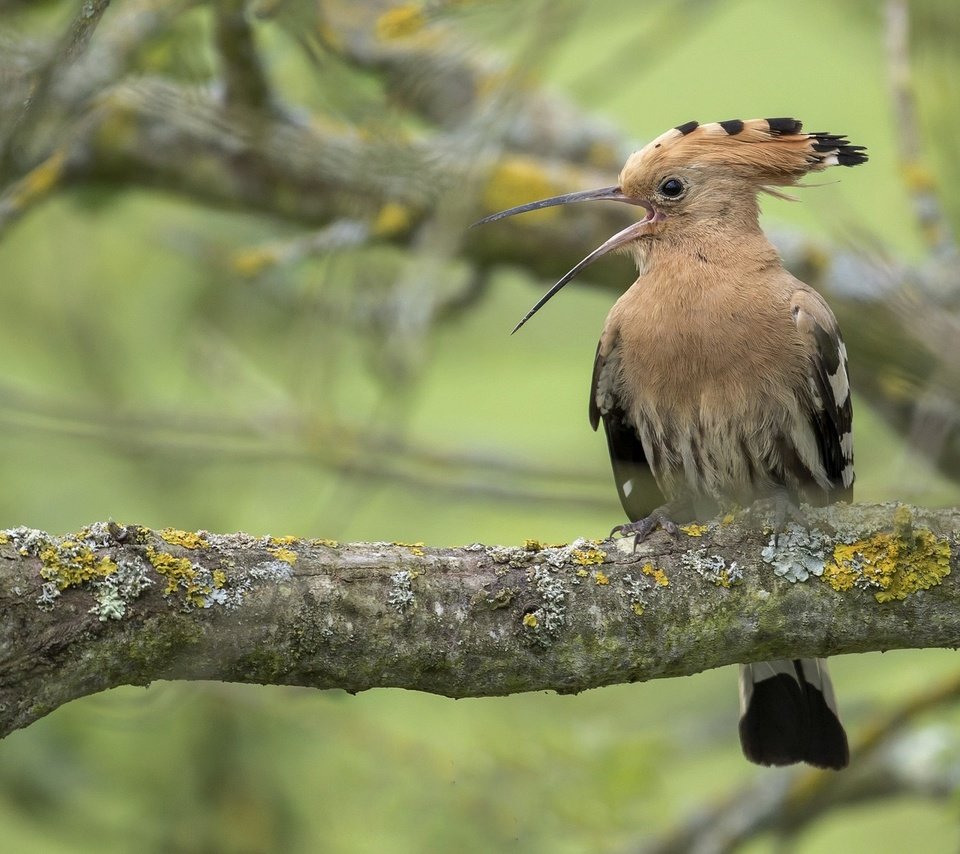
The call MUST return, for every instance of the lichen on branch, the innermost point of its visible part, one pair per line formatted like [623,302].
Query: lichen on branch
[111,605]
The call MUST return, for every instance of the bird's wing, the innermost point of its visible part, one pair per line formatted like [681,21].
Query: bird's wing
[638,491]
[830,407]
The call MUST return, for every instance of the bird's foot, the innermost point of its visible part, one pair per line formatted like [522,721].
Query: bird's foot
[785,509]
[643,528]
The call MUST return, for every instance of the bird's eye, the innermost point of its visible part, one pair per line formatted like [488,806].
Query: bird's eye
[672,188]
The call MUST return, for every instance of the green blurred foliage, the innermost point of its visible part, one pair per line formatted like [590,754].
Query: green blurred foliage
[135,356]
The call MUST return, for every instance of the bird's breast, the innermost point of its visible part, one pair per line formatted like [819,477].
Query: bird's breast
[710,382]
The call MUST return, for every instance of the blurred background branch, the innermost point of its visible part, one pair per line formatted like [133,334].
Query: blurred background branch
[485,128]
[894,757]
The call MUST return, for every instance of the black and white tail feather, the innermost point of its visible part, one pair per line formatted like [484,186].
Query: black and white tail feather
[788,714]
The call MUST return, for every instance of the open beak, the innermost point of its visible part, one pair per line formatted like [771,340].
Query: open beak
[621,238]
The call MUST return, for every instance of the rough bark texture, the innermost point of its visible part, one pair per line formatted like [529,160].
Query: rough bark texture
[111,606]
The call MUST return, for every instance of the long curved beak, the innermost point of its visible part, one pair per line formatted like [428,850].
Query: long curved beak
[604,194]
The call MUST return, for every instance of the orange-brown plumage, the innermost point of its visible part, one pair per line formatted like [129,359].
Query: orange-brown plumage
[722,375]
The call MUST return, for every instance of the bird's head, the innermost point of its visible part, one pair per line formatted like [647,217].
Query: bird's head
[703,175]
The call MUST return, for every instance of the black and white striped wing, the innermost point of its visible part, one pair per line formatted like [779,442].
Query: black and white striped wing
[831,409]
[636,487]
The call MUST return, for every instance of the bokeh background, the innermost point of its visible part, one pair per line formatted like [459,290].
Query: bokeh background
[238,293]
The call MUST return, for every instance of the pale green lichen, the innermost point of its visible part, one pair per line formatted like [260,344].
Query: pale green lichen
[27,541]
[544,621]
[513,556]
[401,593]
[49,593]
[114,593]
[796,553]
[713,567]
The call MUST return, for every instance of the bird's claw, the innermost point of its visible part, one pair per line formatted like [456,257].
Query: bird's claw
[643,528]
[785,509]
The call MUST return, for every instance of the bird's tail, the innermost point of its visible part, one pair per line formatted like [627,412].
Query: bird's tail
[788,714]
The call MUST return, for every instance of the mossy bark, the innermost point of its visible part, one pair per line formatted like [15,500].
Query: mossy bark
[473,621]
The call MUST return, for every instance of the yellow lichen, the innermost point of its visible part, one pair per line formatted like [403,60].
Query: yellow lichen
[727,519]
[898,387]
[70,564]
[533,546]
[38,182]
[895,563]
[4,539]
[416,549]
[587,557]
[918,177]
[187,539]
[601,578]
[392,219]
[582,573]
[530,621]
[404,20]
[694,530]
[253,261]
[603,155]
[637,608]
[330,544]
[657,574]
[219,578]
[180,573]
[286,555]
[516,180]
[284,541]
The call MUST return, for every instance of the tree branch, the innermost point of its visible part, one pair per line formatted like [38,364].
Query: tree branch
[71,46]
[111,606]
[245,84]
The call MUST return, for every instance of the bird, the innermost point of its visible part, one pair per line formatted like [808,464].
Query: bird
[720,378]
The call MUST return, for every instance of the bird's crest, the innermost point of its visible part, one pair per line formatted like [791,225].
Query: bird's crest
[764,151]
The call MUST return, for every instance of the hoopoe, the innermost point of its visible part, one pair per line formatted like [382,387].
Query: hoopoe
[723,376]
